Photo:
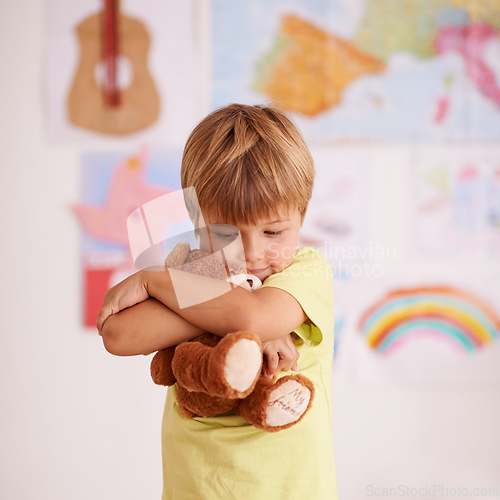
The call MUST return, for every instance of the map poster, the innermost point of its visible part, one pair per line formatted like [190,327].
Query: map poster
[365,70]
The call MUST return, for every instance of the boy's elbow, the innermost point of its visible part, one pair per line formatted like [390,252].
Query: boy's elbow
[112,338]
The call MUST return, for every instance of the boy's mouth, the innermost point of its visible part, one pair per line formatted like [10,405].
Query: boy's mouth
[258,272]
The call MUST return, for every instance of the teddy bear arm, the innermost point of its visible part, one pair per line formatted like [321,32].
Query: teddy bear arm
[161,367]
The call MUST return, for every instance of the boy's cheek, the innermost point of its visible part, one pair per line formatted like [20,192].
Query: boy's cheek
[287,254]
[275,250]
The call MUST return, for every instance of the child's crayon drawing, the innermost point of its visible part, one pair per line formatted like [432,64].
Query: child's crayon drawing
[427,331]
[113,186]
[457,203]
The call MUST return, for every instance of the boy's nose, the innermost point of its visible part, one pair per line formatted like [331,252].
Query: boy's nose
[254,251]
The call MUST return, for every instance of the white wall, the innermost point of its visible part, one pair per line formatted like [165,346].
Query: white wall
[78,423]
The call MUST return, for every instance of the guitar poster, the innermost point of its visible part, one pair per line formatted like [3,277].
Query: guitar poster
[154,71]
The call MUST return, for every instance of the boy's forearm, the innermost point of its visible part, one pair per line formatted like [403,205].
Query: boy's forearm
[145,328]
[269,313]
[220,315]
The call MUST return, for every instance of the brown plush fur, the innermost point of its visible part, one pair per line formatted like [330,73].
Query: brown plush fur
[198,368]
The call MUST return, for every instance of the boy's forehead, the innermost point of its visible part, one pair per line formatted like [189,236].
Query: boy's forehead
[280,215]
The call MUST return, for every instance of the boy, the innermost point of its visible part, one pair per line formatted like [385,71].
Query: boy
[250,168]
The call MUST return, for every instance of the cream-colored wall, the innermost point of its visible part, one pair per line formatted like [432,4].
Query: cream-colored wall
[80,424]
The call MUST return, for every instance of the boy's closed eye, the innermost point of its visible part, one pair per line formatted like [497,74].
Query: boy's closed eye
[224,231]
[233,234]
[225,236]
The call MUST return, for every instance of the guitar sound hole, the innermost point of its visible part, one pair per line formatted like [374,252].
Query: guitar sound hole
[124,73]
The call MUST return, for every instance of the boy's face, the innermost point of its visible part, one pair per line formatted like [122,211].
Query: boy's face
[264,248]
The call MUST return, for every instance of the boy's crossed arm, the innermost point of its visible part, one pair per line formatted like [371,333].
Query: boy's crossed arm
[146,327]
[156,321]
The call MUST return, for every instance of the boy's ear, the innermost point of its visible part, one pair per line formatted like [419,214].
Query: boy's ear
[302,217]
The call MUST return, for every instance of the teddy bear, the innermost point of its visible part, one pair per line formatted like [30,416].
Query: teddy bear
[216,375]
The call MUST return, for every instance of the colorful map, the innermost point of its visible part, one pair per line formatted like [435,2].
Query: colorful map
[365,70]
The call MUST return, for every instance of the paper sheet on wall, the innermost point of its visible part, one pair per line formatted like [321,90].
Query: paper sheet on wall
[426,331]
[156,72]
[113,186]
[338,221]
[456,201]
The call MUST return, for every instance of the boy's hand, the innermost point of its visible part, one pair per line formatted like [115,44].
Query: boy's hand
[129,292]
[280,354]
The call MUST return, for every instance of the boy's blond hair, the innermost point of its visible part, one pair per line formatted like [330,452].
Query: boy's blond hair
[247,163]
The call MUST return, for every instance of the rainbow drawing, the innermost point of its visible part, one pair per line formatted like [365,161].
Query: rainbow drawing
[451,313]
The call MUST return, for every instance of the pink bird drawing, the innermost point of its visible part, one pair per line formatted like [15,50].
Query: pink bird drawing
[127,191]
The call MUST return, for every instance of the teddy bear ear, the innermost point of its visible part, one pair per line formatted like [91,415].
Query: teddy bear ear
[161,367]
[247,281]
[178,255]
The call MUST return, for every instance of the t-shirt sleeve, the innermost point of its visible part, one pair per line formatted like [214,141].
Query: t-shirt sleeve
[309,280]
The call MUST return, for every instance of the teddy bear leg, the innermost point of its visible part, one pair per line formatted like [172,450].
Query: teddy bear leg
[200,404]
[276,406]
[230,369]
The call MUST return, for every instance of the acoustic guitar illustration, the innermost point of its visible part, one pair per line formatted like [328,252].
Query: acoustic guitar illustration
[138,102]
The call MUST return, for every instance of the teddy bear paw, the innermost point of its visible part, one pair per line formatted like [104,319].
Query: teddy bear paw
[287,402]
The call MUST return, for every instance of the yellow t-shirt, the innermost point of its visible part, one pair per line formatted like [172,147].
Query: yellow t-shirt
[224,458]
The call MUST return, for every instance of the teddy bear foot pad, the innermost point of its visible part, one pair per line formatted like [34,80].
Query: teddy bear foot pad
[287,402]
[242,365]
[274,406]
